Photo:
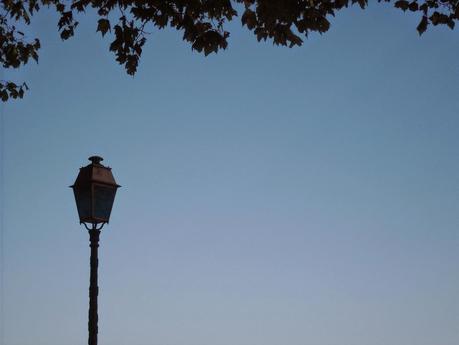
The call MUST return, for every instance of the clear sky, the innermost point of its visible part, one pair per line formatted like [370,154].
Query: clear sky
[271,196]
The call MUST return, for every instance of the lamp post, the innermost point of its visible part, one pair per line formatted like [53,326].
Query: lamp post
[94,191]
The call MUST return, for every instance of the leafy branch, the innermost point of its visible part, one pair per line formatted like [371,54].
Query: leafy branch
[202,22]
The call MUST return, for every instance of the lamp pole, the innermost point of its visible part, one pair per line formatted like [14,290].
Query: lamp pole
[94,191]
[93,288]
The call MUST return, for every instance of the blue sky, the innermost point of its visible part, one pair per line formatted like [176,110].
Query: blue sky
[271,196]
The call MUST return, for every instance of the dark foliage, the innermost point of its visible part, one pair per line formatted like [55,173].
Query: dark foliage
[284,22]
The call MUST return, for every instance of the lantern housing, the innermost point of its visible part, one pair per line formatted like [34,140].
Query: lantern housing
[94,191]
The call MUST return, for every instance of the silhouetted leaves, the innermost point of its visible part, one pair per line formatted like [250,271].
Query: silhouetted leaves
[413,6]
[103,26]
[11,90]
[249,18]
[423,25]
[402,4]
[202,22]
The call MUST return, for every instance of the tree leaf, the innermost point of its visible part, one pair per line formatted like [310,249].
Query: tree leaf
[422,27]
[103,26]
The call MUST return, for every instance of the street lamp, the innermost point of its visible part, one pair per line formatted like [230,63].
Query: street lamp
[94,191]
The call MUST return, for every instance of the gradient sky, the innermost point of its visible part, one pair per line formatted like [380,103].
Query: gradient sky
[271,196]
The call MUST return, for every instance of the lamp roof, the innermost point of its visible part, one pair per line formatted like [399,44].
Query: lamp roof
[95,172]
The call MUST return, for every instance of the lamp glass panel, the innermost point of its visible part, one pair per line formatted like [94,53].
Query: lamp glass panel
[103,201]
[83,201]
